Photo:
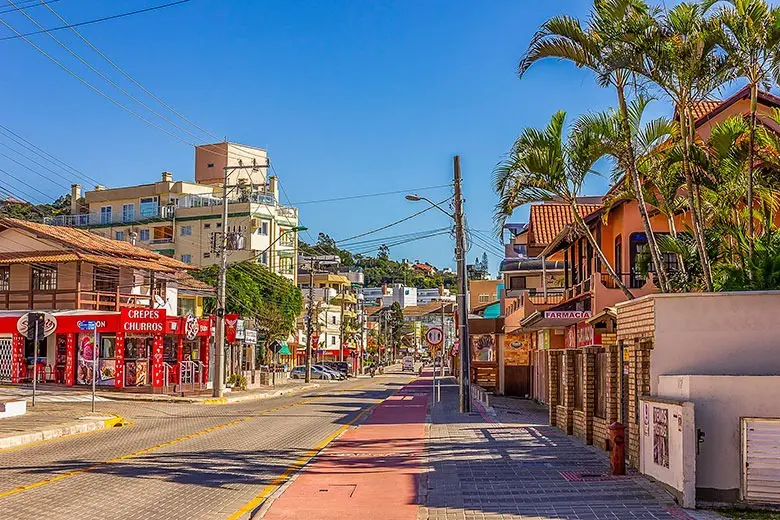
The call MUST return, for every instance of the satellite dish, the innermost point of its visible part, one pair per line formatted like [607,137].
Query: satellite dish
[159,300]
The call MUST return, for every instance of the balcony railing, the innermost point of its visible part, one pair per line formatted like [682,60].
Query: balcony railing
[97,219]
[67,299]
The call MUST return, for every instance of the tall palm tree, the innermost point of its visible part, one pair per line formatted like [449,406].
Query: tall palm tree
[749,33]
[679,54]
[607,45]
[545,165]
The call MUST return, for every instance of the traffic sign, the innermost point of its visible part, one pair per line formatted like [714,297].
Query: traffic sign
[43,321]
[87,325]
[434,336]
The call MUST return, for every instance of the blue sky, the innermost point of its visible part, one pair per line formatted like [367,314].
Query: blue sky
[349,97]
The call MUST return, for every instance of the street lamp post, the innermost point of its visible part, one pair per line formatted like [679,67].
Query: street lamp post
[460,257]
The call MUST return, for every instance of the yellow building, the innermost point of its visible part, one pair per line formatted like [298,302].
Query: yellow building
[183,219]
[334,302]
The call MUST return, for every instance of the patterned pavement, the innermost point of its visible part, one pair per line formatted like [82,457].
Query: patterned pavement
[178,460]
[522,468]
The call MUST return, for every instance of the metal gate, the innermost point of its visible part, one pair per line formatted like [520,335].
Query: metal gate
[6,368]
[761,460]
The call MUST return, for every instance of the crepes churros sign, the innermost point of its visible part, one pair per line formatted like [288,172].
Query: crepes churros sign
[140,321]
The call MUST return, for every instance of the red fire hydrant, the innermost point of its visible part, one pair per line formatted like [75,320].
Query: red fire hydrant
[617,453]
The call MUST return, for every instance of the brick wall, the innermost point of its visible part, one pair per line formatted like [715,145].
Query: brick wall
[639,385]
[583,419]
[565,409]
[636,319]
[612,375]
[554,360]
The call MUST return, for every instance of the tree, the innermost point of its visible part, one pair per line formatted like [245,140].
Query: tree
[749,33]
[545,165]
[679,54]
[607,45]
[384,252]
[396,325]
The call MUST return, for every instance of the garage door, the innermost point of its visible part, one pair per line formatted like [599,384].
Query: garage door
[761,460]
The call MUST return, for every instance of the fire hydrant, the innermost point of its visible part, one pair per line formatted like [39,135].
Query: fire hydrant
[617,453]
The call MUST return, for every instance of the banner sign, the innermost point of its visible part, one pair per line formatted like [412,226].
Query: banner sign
[139,321]
[581,335]
[568,315]
[250,336]
[231,326]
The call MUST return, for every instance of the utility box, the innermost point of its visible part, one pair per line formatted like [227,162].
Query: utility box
[667,443]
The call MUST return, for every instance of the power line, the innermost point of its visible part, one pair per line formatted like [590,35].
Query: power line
[96,20]
[369,195]
[35,3]
[391,224]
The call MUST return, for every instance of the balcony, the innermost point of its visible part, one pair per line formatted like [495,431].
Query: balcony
[605,290]
[69,299]
[108,219]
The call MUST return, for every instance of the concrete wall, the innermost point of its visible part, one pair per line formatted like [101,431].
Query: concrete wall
[716,333]
[721,401]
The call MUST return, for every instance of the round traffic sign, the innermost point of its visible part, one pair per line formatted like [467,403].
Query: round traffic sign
[434,336]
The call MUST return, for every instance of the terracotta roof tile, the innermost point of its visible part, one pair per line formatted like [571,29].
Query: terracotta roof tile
[84,242]
[702,108]
[29,257]
[547,220]
[189,283]
[428,308]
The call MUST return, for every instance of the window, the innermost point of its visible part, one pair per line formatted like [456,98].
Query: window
[578,387]
[187,259]
[105,215]
[561,379]
[143,235]
[618,261]
[44,278]
[119,235]
[600,374]
[484,298]
[333,320]
[262,228]
[105,279]
[5,278]
[206,226]
[210,165]
[128,212]
[150,207]
[219,225]
[263,258]
[333,340]
[186,306]
[163,234]
[107,346]
[517,282]
[206,255]
[186,231]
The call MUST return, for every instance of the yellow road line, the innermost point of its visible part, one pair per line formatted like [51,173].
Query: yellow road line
[144,451]
[278,481]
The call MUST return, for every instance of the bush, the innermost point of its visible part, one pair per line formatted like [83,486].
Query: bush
[237,381]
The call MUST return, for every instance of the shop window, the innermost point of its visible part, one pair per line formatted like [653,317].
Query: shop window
[107,346]
[44,278]
[600,374]
[5,278]
[579,398]
[169,349]
[105,279]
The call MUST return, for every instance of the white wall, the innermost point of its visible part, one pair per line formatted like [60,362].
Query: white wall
[720,333]
[720,402]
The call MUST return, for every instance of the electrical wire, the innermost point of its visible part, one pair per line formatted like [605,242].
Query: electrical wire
[96,20]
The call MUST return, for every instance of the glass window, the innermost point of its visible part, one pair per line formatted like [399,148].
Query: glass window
[120,235]
[517,282]
[5,278]
[484,298]
[333,340]
[150,207]
[187,259]
[107,346]
[163,233]
[143,235]
[128,212]
[105,215]
[186,306]
[206,226]
[44,278]
[186,231]
[262,228]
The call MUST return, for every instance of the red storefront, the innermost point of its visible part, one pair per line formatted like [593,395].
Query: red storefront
[137,347]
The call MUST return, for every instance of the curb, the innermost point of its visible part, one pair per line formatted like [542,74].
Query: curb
[253,397]
[67,430]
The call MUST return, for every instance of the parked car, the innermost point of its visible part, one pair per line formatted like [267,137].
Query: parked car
[339,366]
[407,365]
[316,373]
[334,374]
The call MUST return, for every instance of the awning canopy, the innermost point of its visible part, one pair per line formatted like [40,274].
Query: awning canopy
[552,319]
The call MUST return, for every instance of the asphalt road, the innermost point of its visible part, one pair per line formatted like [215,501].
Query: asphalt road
[182,461]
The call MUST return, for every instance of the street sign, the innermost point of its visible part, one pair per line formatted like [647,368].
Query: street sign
[87,325]
[434,336]
[46,324]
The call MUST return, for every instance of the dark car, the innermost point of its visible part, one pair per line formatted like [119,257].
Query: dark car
[340,366]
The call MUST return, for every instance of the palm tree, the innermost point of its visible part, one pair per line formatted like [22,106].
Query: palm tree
[679,54]
[607,45]
[545,165]
[749,33]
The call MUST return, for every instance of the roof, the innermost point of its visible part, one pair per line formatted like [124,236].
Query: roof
[189,284]
[95,248]
[423,267]
[59,257]
[547,220]
[428,308]
[702,108]
[706,110]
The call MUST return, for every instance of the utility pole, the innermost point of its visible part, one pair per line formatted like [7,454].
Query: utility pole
[219,363]
[309,322]
[463,288]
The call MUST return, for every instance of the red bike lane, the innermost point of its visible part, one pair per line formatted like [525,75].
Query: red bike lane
[371,471]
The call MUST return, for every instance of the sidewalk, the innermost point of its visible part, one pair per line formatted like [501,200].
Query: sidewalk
[371,472]
[520,467]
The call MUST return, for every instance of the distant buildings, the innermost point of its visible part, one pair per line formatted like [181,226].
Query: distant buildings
[405,296]
[182,219]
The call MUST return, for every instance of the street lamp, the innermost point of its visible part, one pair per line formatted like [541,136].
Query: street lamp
[417,198]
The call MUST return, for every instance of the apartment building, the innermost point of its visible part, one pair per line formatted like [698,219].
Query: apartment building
[183,219]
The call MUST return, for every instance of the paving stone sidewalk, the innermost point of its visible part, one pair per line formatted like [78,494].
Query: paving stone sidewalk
[521,467]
